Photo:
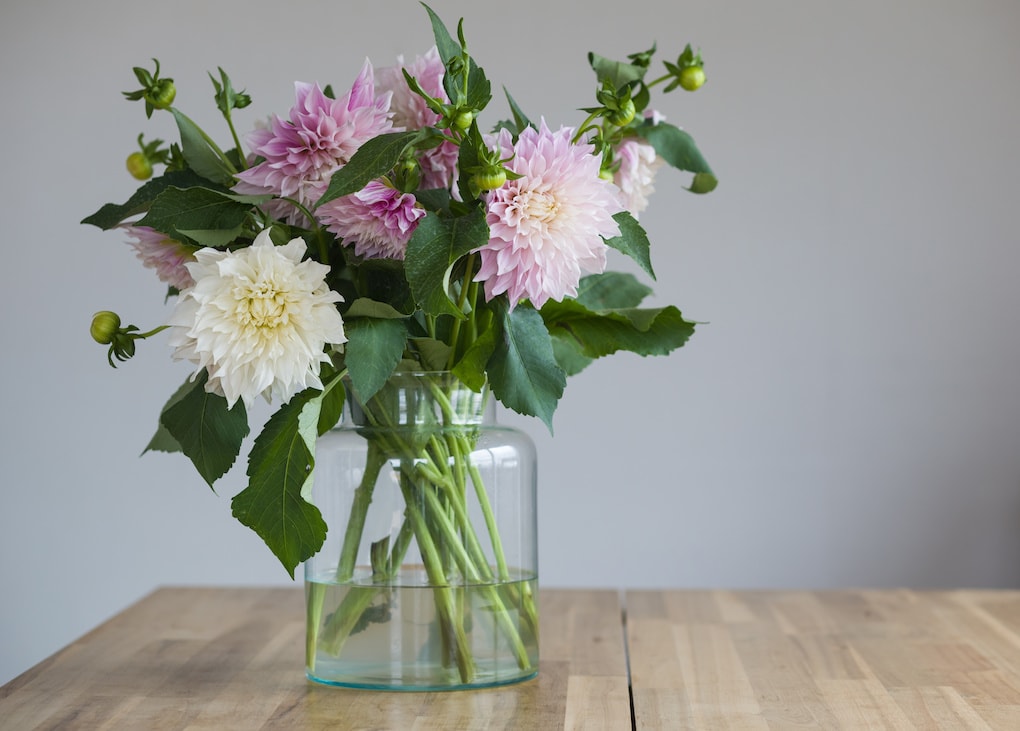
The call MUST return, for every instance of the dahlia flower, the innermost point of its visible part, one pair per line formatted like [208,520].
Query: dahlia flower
[377,220]
[411,112]
[547,227]
[257,320]
[322,134]
[636,176]
[167,256]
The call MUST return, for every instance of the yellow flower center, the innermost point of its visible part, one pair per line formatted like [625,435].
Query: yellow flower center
[262,307]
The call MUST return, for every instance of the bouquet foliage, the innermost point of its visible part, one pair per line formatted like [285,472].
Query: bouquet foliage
[389,229]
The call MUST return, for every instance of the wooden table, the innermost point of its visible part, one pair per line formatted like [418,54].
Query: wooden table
[209,658]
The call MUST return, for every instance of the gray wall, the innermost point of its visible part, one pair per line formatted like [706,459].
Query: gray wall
[850,416]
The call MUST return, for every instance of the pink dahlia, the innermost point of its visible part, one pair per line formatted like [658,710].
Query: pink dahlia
[636,176]
[547,227]
[411,112]
[167,256]
[322,134]
[377,220]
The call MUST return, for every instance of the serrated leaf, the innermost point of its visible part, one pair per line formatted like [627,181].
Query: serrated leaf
[652,331]
[479,91]
[470,369]
[569,357]
[520,118]
[213,238]
[678,149]
[373,349]
[198,154]
[433,249]
[163,440]
[331,408]
[279,465]
[611,290]
[434,354]
[632,241]
[208,433]
[523,371]
[365,307]
[373,159]
[177,210]
[615,72]
[113,214]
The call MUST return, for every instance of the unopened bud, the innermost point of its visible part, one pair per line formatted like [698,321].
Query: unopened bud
[104,327]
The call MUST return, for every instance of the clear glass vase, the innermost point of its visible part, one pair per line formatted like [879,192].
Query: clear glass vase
[428,579]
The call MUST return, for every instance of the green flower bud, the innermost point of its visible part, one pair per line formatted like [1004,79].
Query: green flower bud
[489,179]
[463,120]
[624,114]
[139,166]
[161,94]
[104,327]
[692,78]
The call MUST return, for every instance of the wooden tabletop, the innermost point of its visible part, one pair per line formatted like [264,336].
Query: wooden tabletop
[211,658]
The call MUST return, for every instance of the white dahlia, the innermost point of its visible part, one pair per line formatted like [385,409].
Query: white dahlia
[257,320]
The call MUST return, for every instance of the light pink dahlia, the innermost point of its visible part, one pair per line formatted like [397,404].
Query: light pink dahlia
[411,112]
[377,220]
[167,256]
[547,227]
[322,134]
[636,176]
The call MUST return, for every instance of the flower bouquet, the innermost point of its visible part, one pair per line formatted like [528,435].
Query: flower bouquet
[383,253]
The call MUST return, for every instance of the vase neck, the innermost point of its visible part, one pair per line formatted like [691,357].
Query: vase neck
[420,400]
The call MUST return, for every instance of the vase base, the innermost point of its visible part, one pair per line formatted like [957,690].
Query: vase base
[362,684]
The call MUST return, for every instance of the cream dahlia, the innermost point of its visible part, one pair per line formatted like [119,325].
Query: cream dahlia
[257,320]
[547,227]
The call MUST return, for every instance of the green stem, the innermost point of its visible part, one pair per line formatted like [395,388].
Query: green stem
[374,462]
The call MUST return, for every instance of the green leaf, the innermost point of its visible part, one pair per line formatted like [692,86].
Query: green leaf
[365,307]
[632,241]
[208,433]
[470,369]
[523,370]
[279,466]
[373,349]
[479,91]
[199,155]
[433,354]
[163,440]
[677,148]
[373,159]
[611,290]
[113,214]
[569,357]
[655,331]
[520,118]
[177,210]
[615,72]
[436,244]
[330,409]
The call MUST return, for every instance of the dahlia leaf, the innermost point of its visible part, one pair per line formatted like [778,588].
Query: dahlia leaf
[568,355]
[113,214]
[197,152]
[433,354]
[632,241]
[470,369]
[648,331]
[279,466]
[177,210]
[373,159]
[521,121]
[479,91]
[434,248]
[677,148]
[163,440]
[209,433]
[615,72]
[611,290]
[365,307]
[373,350]
[523,370]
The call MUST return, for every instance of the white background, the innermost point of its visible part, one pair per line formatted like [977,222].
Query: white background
[848,416]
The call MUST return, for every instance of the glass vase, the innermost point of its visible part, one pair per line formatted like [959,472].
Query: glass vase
[428,579]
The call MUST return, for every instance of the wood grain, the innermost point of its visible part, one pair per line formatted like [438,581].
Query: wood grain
[216,658]
[839,659]
[211,658]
